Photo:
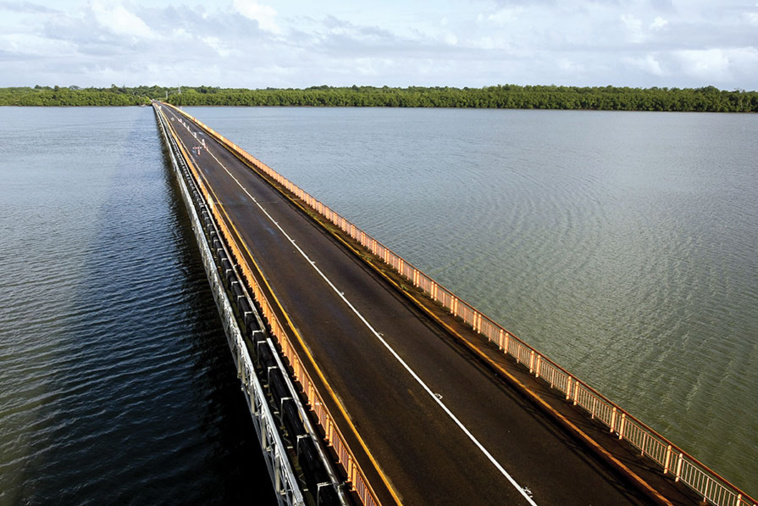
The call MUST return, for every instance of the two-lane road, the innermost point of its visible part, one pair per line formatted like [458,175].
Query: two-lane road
[440,428]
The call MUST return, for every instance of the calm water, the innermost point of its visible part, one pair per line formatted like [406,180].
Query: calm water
[116,383]
[623,245]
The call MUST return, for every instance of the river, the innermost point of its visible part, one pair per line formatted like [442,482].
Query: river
[621,244]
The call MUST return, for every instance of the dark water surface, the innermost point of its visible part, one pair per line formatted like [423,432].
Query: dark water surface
[116,383]
[621,244]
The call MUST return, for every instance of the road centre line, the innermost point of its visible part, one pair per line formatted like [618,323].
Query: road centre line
[433,396]
[297,335]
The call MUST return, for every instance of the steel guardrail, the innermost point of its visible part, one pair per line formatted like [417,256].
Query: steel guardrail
[332,434]
[670,458]
[286,484]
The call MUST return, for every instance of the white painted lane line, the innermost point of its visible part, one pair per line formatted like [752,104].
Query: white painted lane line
[525,492]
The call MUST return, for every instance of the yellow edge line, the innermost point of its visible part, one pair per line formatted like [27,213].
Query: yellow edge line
[536,397]
[294,330]
[312,360]
[586,437]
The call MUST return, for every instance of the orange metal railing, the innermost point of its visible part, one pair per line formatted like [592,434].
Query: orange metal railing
[671,459]
[333,436]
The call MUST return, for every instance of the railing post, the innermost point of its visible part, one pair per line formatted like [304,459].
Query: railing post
[711,485]
[594,404]
[552,377]
[679,467]
[240,369]
[277,479]
[668,463]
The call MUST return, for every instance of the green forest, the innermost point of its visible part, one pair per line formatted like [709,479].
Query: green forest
[74,96]
[707,99]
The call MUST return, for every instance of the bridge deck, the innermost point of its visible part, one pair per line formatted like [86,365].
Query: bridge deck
[439,427]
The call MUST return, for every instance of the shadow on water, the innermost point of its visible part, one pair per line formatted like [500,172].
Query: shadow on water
[238,463]
[144,406]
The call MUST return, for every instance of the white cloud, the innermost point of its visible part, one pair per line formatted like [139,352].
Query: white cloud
[570,66]
[217,45]
[264,14]
[26,7]
[505,16]
[658,24]
[649,64]
[120,21]
[451,39]
[708,64]
[633,28]
[718,65]
[180,34]
[36,46]
[484,43]
[678,43]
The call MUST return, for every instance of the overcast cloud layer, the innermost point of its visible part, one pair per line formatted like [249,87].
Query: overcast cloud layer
[252,44]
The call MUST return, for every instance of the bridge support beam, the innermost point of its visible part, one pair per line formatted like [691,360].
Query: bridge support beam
[287,485]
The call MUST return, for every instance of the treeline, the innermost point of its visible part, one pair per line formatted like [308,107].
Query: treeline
[73,96]
[708,99]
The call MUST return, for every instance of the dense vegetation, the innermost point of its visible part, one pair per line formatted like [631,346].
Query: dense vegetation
[74,96]
[707,99]
[496,97]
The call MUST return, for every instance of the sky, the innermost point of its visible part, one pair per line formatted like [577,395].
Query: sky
[459,43]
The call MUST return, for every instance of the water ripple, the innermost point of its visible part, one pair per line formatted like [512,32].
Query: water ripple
[117,385]
[620,244]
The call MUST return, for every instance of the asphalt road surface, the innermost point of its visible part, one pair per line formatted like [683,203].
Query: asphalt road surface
[441,428]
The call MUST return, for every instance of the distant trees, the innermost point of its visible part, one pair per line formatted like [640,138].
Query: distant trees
[507,96]
[493,97]
[71,96]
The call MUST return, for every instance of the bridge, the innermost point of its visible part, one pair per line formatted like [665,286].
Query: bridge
[371,383]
